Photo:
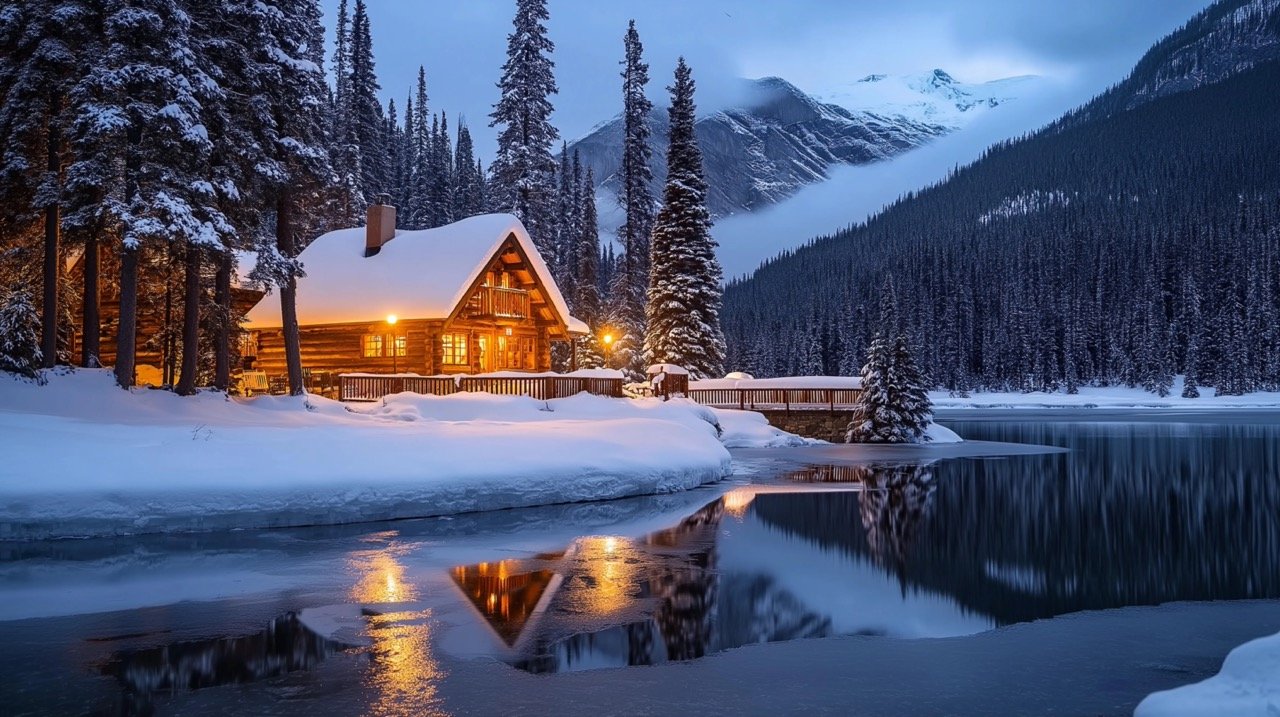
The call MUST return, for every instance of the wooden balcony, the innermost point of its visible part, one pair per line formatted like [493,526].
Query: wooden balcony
[498,302]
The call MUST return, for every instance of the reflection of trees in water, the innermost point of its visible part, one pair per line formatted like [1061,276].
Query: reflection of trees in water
[892,504]
[1133,516]
[697,609]
[285,646]
[687,593]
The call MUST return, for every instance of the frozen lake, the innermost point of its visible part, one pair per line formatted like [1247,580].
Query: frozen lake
[982,579]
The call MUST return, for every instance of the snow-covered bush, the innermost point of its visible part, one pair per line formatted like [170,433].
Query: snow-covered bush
[19,334]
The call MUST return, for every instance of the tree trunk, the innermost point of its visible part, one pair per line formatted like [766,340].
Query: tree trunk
[90,344]
[167,347]
[222,339]
[127,335]
[49,318]
[288,296]
[190,321]
[126,338]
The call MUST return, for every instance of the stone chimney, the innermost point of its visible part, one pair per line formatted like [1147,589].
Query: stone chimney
[380,226]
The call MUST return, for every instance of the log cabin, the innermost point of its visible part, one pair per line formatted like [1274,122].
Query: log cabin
[474,296]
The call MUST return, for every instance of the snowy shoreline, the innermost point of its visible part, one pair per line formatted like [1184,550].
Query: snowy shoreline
[1098,398]
[85,458]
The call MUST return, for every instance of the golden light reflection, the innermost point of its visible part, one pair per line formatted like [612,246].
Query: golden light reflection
[380,577]
[609,562]
[404,673]
[737,500]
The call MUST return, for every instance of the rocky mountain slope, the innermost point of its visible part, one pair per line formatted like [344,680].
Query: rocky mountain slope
[779,140]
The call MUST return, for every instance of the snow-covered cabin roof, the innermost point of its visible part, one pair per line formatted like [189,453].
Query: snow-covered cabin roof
[422,274]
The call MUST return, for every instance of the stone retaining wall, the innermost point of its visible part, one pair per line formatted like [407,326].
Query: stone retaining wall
[827,425]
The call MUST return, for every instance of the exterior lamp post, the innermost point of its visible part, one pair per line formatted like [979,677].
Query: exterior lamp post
[395,345]
[608,348]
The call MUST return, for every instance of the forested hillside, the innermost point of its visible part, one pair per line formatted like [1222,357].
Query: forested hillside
[1121,248]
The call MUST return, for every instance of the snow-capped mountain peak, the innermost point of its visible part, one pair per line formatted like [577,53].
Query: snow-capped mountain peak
[935,97]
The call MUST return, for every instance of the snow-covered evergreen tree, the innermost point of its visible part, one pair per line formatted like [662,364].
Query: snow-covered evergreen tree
[635,194]
[893,406]
[41,50]
[19,334]
[586,297]
[468,181]
[683,309]
[441,197]
[140,119]
[523,171]
[290,90]
[368,128]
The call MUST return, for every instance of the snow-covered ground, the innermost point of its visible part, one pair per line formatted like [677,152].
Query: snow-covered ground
[1247,686]
[85,458]
[1109,397]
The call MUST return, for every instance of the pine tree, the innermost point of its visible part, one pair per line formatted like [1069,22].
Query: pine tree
[290,89]
[19,334]
[683,310]
[441,172]
[523,171]
[418,213]
[893,406]
[634,190]
[586,298]
[145,84]
[367,130]
[43,53]
[468,183]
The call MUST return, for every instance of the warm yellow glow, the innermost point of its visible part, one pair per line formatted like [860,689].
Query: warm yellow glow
[610,563]
[737,500]
[608,339]
[380,577]
[391,319]
[403,673]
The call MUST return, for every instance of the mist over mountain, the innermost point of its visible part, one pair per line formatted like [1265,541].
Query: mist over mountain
[780,139]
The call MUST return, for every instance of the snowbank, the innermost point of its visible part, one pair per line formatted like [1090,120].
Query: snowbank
[85,458]
[1247,686]
[748,429]
[941,434]
[1109,397]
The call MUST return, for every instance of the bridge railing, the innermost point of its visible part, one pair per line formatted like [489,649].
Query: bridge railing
[787,399]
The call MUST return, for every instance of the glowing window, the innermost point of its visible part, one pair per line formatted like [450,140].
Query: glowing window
[372,346]
[455,349]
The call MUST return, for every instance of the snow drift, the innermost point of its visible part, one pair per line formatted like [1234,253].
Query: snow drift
[85,458]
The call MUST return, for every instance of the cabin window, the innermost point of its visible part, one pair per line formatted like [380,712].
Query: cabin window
[372,346]
[455,349]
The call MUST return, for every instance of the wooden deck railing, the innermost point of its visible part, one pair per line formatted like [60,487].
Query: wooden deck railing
[367,387]
[801,399]
[499,301]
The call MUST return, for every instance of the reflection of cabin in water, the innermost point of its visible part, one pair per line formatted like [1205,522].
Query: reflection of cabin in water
[471,297]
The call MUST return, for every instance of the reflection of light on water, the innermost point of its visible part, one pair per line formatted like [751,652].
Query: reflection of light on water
[379,577]
[608,562]
[404,674]
[737,500]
